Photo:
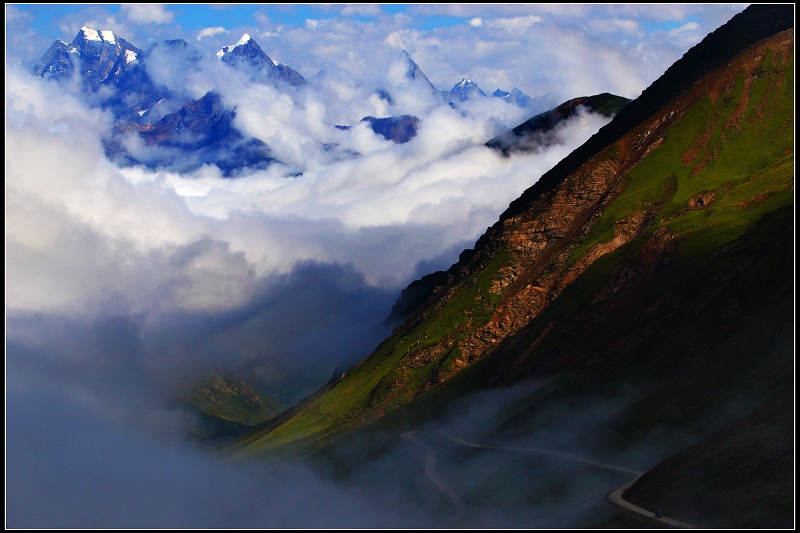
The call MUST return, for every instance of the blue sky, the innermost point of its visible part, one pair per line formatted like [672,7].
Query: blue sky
[193,17]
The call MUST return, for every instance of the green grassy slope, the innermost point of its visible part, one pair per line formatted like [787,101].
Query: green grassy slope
[229,399]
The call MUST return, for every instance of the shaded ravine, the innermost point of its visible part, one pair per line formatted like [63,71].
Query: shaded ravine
[615,496]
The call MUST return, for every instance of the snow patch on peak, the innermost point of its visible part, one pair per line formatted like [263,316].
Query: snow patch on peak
[275,62]
[130,57]
[108,36]
[226,49]
[90,35]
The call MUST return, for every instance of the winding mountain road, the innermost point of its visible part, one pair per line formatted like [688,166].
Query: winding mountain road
[615,497]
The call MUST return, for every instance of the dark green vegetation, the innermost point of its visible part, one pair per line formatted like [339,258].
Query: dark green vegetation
[643,295]
[229,404]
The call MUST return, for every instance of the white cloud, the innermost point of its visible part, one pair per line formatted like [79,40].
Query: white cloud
[147,13]
[476,22]
[615,26]
[514,23]
[688,27]
[352,10]
[208,32]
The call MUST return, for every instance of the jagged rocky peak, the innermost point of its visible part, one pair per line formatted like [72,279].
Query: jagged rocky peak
[91,43]
[247,52]
[101,55]
[413,72]
[55,61]
[241,48]
[515,97]
[464,90]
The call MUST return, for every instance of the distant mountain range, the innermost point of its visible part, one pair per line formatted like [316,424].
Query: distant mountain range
[114,74]
[461,91]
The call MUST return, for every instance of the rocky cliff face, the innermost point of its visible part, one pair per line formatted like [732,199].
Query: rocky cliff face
[542,239]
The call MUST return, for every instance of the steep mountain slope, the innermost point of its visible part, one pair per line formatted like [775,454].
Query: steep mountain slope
[534,132]
[652,238]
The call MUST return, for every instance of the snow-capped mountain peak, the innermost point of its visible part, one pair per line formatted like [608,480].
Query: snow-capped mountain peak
[516,97]
[103,36]
[90,35]
[108,36]
[225,50]
[247,54]
[464,90]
